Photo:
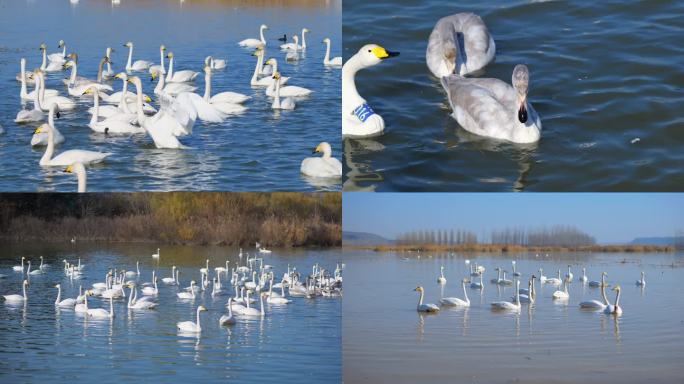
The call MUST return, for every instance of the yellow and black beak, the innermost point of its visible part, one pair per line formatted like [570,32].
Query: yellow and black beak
[382,54]
[69,169]
[522,112]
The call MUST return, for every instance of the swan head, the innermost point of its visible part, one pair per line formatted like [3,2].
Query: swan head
[69,64]
[270,61]
[325,148]
[373,54]
[75,168]
[305,30]
[58,285]
[326,41]
[259,51]
[122,76]
[419,289]
[521,81]
[135,80]
[26,282]
[263,26]
[276,75]
[42,46]
[162,47]
[128,45]
[61,44]
[109,51]
[170,55]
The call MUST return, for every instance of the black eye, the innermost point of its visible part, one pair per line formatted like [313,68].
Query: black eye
[370,50]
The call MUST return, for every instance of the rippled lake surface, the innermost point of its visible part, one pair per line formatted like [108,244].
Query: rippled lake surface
[298,342]
[260,150]
[606,80]
[386,340]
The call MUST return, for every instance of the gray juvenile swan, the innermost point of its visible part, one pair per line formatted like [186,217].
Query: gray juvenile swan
[492,108]
[447,54]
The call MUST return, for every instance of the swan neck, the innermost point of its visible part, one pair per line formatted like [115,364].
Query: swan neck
[23,92]
[326,60]
[99,70]
[207,87]
[420,300]
[261,35]
[23,289]
[43,66]
[81,175]
[47,156]
[198,320]
[59,294]
[161,59]
[169,75]
[130,57]
[139,98]
[96,107]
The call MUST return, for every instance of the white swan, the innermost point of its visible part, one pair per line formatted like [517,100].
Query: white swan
[23,94]
[228,319]
[83,307]
[115,124]
[455,301]
[515,273]
[101,313]
[641,282]
[614,309]
[64,103]
[223,97]
[569,275]
[325,166]
[184,76]
[159,67]
[288,90]
[156,255]
[445,55]
[35,114]
[562,295]
[507,305]
[108,73]
[527,295]
[441,279]
[295,46]
[42,138]
[477,285]
[189,326]
[49,66]
[258,70]
[59,57]
[286,103]
[80,171]
[18,298]
[78,88]
[358,118]
[188,295]
[424,307]
[542,278]
[555,280]
[19,268]
[73,78]
[492,108]
[214,63]
[253,312]
[595,304]
[327,61]
[139,304]
[253,43]
[66,303]
[138,65]
[602,283]
[170,280]
[151,291]
[67,157]
[172,89]
[583,278]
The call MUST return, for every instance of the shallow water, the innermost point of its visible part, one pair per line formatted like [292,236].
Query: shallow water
[386,340]
[299,342]
[603,74]
[258,151]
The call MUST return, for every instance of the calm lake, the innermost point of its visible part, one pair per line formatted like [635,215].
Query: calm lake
[300,341]
[260,150]
[386,340]
[605,78]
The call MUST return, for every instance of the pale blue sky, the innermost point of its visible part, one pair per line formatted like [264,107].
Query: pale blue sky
[610,217]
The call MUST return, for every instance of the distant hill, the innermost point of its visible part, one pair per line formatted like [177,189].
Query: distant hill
[363,239]
[654,241]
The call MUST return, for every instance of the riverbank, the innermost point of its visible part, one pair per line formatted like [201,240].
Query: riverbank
[507,248]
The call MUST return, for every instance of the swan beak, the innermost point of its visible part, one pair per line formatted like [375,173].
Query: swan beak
[522,112]
[148,99]
[316,150]
[69,169]
[383,54]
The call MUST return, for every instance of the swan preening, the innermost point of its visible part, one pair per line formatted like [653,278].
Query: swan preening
[358,118]
[460,44]
[325,166]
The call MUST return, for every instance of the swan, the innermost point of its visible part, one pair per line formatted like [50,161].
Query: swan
[274,298]
[139,304]
[42,138]
[189,326]
[602,283]
[78,89]
[81,176]
[492,108]
[228,319]
[101,313]
[51,66]
[114,124]
[159,67]
[515,273]
[595,304]
[83,307]
[504,281]
[170,280]
[325,166]
[156,255]
[507,305]
[188,295]
[455,301]
[563,295]
[583,278]
[288,90]
[287,103]
[180,76]
[260,69]
[441,279]
[223,97]
[73,78]
[446,56]
[477,285]
[138,65]
[129,97]
[108,73]
[19,268]
[215,63]
[641,282]
[527,295]
[498,276]
[542,278]
[569,275]
[175,117]
[59,57]
[23,94]
[18,298]
[171,89]
[614,309]
[67,157]
[66,303]
[555,280]
[133,274]
[225,269]
[358,118]
[34,272]
[253,43]
[205,269]
[253,312]
[35,114]
[64,103]
[424,307]
[295,47]
[327,61]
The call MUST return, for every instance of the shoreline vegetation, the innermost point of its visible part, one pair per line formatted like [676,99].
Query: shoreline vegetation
[511,248]
[204,218]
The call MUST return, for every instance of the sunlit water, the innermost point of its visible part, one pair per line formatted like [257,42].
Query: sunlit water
[386,340]
[298,342]
[260,150]
[603,74]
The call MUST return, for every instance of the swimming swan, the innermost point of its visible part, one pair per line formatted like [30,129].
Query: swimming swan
[325,166]
[441,279]
[59,57]
[492,108]
[455,301]
[101,313]
[358,118]
[159,67]
[287,103]
[614,309]
[327,61]
[228,319]
[446,56]
[424,307]
[23,94]
[18,298]
[507,305]
[115,124]
[138,65]
[253,43]
[641,282]
[172,89]
[189,326]
[223,97]
[66,303]
[184,76]
[595,304]
[80,171]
